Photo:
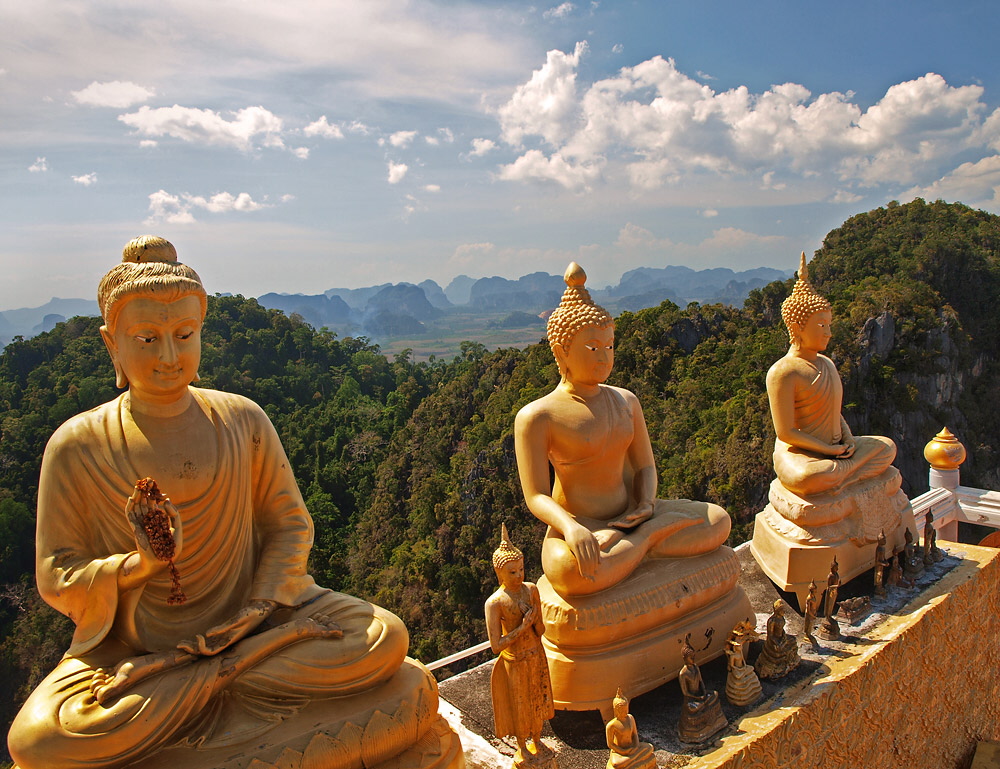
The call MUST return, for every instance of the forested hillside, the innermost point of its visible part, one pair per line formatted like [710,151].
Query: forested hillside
[408,469]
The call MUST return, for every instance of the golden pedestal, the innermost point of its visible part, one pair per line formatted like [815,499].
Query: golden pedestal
[795,539]
[630,636]
[393,726]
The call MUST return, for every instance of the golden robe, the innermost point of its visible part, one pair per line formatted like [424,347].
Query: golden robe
[248,537]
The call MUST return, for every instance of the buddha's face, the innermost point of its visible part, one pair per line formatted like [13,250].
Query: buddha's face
[157,345]
[815,333]
[590,356]
[511,574]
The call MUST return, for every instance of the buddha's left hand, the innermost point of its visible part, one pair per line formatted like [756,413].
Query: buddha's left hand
[632,518]
[225,634]
[849,447]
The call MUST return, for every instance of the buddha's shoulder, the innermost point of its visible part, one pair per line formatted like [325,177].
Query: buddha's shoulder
[223,401]
[540,409]
[84,425]
[794,366]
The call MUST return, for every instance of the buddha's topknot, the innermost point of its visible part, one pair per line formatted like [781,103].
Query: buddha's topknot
[576,310]
[506,552]
[803,302]
[149,268]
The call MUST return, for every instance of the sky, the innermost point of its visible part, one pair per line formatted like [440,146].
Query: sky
[312,144]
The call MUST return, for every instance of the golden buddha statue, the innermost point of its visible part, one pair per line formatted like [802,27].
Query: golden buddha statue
[626,750]
[833,489]
[618,562]
[519,686]
[257,661]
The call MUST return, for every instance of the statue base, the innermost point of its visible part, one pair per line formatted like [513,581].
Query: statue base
[795,539]
[394,725]
[630,635]
[696,727]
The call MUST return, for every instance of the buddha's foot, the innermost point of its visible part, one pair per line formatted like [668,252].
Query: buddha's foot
[107,687]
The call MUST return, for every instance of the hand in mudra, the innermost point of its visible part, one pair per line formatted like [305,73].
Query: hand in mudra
[225,634]
[137,508]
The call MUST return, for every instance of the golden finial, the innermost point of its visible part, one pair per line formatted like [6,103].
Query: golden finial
[945,451]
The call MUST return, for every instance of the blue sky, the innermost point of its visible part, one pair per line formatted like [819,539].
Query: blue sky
[311,144]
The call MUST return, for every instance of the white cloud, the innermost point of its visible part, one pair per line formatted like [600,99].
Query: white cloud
[402,139]
[704,75]
[177,209]
[535,166]
[432,187]
[287,198]
[357,127]
[547,105]
[323,129]
[482,146]
[975,183]
[149,143]
[249,127]
[845,196]
[471,253]
[652,126]
[560,11]
[40,166]
[397,171]
[709,213]
[632,236]
[116,93]
[446,135]
[301,152]
[617,48]
[86,180]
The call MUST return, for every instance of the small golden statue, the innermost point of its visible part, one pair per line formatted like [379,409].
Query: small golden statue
[701,712]
[742,684]
[780,654]
[834,491]
[811,611]
[895,577]
[932,553]
[522,695]
[880,564]
[913,562]
[627,752]
[829,630]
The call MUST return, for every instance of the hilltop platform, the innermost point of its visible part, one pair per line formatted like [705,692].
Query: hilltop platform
[915,685]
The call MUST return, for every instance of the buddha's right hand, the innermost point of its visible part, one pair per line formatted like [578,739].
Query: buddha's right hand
[136,507]
[585,547]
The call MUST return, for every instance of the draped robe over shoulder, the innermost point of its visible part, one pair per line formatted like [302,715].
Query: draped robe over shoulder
[247,537]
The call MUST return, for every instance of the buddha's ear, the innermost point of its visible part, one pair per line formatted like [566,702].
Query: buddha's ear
[121,381]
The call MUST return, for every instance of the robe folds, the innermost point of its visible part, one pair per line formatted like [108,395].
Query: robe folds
[247,537]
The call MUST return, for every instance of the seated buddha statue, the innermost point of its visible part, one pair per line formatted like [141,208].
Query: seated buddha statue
[831,485]
[626,751]
[586,467]
[230,649]
[701,710]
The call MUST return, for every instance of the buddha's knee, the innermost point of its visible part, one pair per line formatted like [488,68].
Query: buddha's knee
[28,741]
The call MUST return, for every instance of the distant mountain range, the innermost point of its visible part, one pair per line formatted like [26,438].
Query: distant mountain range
[405,309]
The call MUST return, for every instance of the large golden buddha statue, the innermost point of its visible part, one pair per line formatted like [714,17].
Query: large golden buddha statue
[626,574]
[247,660]
[834,491]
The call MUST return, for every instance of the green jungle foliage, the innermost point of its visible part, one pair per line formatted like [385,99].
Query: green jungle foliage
[408,468]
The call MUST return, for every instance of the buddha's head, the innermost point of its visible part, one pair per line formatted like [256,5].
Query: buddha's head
[687,651]
[806,314]
[620,705]
[508,562]
[779,607]
[153,307]
[575,313]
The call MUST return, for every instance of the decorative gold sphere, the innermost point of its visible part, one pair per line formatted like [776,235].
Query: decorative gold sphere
[945,452]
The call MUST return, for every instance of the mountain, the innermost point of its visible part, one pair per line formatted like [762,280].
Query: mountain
[28,321]
[319,310]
